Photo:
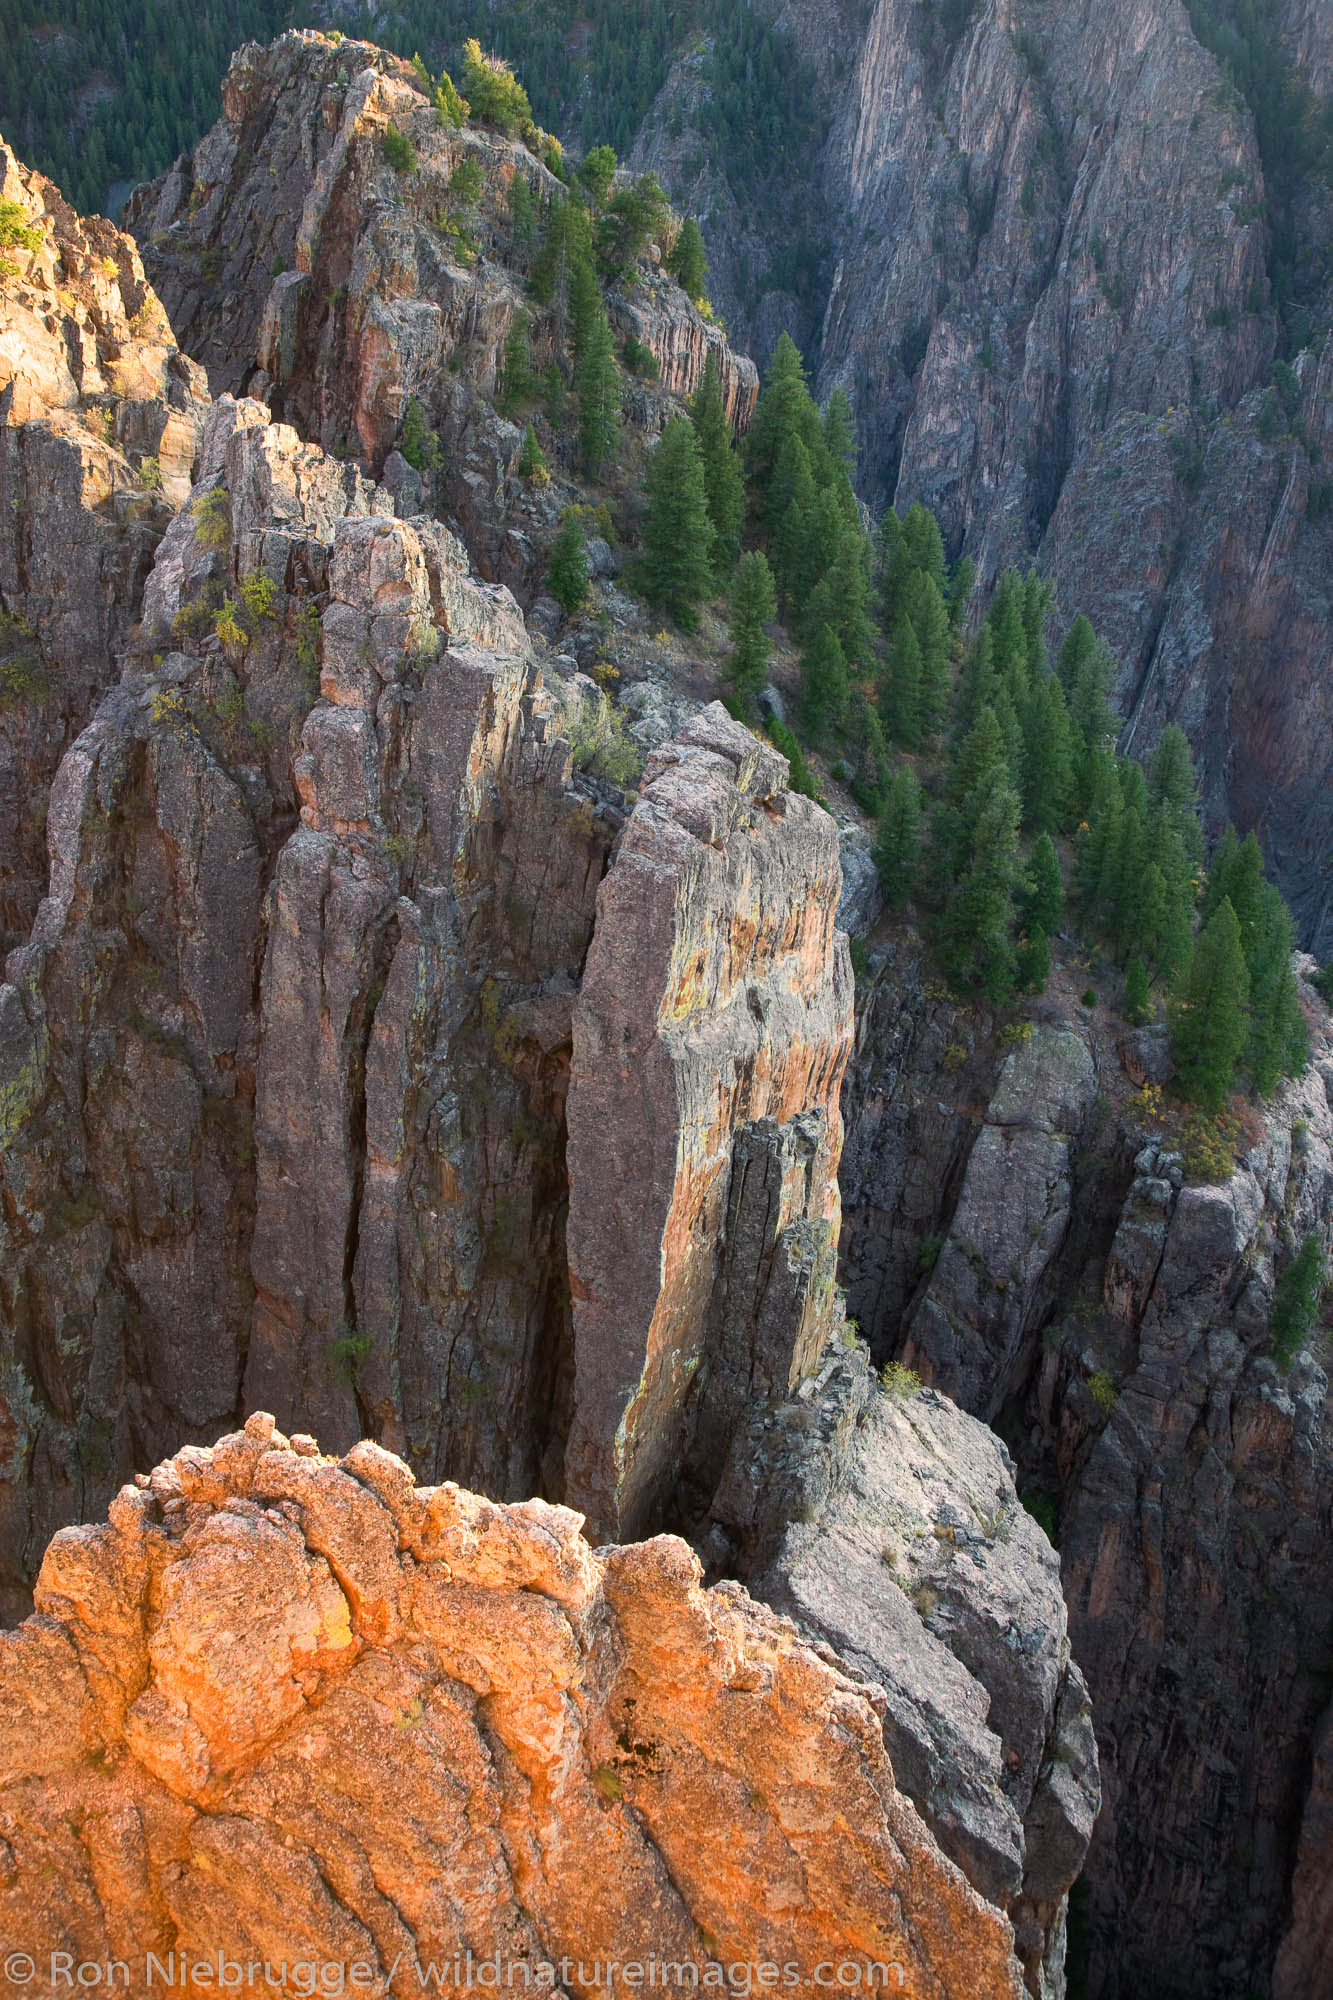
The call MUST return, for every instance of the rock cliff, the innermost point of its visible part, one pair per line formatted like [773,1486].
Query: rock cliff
[1018,1229]
[1049,249]
[99,425]
[287,1708]
[297,263]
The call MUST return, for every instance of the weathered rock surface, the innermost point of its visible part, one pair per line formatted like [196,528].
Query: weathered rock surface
[710,1034]
[99,426]
[923,1570]
[1046,286]
[586,1755]
[297,263]
[1112,1318]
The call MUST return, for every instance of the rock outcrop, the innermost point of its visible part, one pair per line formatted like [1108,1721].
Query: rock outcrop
[1047,285]
[297,263]
[922,1569]
[1016,1230]
[284,1061]
[709,1039]
[99,426]
[283,1707]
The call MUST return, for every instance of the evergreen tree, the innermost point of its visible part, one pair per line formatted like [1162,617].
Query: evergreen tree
[522,217]
[977,688]
[532,460]
[784,410]
[688,262]
[841,598]
[1048,758]
[1042,894]
[1296,1299]
[1138,995]
[900,687]
[1209,1012]
[677,533]
[753,603]
[634,216]
[825,688]
[567,576]
[961,585]
[1173,787]
[597,384]
[1032,963]
[898,838]
[553,396]
[724,481]
[976,927]
[792,484]
[868,752]
[518,378]
[980,769]
[598,173]
[564,264]
[924,604]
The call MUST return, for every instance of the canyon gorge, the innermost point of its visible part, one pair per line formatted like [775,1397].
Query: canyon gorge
[521,1345]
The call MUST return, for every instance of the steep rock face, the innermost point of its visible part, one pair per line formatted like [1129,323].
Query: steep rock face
[297,263]
[1038,1248]
[589,1756]
[1196,1561]
[283,1057]
[1047,292]
[710,1035]
[283,1064]
[922,1569]
[91,387]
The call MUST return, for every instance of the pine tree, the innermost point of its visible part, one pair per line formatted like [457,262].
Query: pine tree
[841,598]
[785,409]
[753,603]
[724,481]
[564,263]
[532,460]
[868,751]
[980,768]
[597,384]
[1042,893]
[1296,1302]
[792,484]
[1048,758]
[900,687]
[825,688]
[522,217]
[677,533]
[553,396]
[976,927]
[976,688]
[898,839]
[1138,995]
[924,604]
[688,262]
[1032,964]
[567,576]
[1209,1012]
[518,378]
[598,173]
[1174,789]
